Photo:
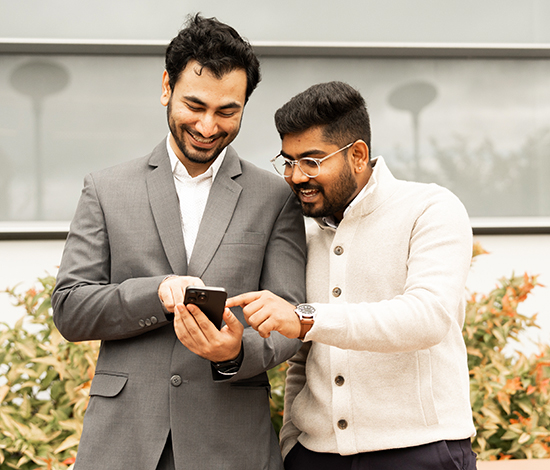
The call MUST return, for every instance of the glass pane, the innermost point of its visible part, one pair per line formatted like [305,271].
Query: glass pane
[62,117]
[479,127]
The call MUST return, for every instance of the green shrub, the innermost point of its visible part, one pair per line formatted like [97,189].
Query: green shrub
[277,377]
[509,391]
[44,381]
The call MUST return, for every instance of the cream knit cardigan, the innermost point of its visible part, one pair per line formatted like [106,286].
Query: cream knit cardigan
[400,259]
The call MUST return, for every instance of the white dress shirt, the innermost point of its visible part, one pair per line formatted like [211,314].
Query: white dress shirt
[192,194]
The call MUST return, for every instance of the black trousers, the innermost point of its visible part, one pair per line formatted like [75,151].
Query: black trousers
[441,455]
[166,461]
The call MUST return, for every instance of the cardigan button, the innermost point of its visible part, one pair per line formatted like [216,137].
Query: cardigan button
[338,250]
[339,380]
[175,380]
[342,424]
[336,292]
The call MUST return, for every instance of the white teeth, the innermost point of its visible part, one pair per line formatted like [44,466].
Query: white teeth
[203,141]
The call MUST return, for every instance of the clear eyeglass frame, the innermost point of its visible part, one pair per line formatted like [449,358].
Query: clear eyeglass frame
[309,166]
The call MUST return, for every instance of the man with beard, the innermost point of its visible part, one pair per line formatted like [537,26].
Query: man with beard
[381,381]
[190,213]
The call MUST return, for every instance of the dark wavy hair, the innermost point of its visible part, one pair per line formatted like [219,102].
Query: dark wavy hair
[336,107]
[216,46]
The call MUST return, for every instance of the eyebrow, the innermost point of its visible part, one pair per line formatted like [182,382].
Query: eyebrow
[308,153]
[231,105]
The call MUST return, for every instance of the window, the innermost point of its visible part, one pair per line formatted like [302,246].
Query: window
[479,126]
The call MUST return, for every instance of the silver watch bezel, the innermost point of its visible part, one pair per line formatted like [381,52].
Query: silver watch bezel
[305,312]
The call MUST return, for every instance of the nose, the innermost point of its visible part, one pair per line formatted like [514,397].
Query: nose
[207,125]
[298,176]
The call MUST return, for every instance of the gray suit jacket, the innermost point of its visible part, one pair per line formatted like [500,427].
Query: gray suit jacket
[125,238]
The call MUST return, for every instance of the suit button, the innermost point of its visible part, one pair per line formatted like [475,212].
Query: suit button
[148,321]
[336,292]
[338,250]
[339,380]
[141,323]
[342,424]
[175,380]
[154,320]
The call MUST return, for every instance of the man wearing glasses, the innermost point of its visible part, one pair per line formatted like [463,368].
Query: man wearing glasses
[381,381]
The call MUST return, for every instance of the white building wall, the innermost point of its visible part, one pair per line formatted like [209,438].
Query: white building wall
[24,261]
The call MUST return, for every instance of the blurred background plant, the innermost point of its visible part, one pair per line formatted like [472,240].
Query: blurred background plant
[509,390]
[44,380]
[44,384]
[277,377]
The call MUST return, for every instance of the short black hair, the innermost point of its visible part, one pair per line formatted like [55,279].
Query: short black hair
[336,107]
[216,46]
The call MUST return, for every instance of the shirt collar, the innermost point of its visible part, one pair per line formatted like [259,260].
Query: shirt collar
[179,168]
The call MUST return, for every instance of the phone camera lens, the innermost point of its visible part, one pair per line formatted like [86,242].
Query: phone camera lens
[202,297]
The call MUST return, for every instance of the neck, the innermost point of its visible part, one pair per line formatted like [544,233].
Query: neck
[193,168]
[362,180]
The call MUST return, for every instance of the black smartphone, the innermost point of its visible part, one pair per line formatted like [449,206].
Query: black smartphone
[211,300]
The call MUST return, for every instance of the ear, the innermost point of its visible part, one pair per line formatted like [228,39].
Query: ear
[166,90]
[360,156]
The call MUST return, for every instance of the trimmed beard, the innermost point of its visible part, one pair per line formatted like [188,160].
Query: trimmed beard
[193,155]
[342,189]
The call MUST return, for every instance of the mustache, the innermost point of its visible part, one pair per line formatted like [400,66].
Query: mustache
[308,185]
[200,136]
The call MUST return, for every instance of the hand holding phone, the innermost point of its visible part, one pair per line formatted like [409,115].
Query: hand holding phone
[211,301]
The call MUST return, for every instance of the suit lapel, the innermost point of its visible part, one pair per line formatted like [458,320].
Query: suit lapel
[165,207]
[220,206]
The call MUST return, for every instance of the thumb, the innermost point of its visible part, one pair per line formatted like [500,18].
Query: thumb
[232,321]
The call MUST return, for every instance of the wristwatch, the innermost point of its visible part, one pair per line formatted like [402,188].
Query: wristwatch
[229,367]
[306,314]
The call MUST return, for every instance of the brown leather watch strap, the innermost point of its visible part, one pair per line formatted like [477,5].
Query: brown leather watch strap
[305,326]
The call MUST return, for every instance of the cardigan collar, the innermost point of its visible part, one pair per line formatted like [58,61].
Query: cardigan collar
[381,185]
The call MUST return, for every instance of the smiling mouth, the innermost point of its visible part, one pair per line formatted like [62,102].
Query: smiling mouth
[202,140]
[306,195]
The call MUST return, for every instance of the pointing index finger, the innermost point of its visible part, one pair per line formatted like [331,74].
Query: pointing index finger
[242,300]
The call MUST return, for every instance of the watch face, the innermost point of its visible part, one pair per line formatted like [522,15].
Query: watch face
[305,311]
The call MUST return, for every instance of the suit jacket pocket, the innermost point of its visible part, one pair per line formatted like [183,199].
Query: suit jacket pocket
[253,383]
[108,384]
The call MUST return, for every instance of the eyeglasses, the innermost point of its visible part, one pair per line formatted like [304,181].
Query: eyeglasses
[309,166]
